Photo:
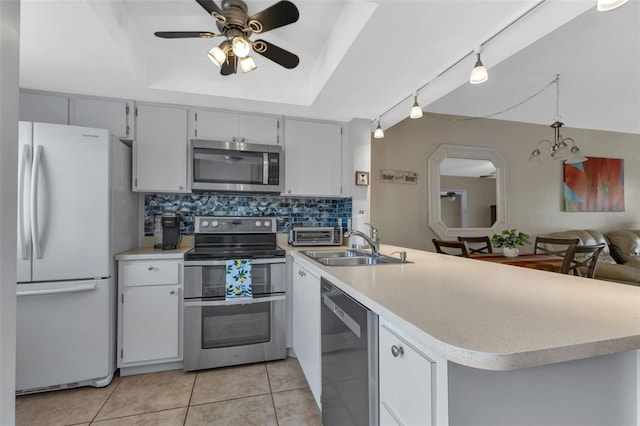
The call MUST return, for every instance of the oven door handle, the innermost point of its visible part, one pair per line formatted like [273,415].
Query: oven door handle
[224,262]
[239,301]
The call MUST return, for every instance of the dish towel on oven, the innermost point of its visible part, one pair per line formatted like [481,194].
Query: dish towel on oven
[238,279]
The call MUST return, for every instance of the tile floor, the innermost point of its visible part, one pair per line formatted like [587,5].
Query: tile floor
[271,393]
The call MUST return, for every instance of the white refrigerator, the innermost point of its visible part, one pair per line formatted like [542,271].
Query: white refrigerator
[75,211]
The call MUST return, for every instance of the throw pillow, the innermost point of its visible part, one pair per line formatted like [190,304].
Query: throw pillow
[617,254]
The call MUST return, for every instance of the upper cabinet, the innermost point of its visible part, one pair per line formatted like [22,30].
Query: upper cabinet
[116,115]
[235,127]
[160,151]
[44,107]
[312,158]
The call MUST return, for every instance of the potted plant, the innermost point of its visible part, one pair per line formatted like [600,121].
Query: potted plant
[509,239]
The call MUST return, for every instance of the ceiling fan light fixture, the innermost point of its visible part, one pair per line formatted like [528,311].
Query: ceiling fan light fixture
[248,64]
[378,133]
[606,5]
[217,55]
[479,73]
[241,47]
[416,111]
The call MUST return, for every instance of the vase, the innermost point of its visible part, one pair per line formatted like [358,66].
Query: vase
[510,251]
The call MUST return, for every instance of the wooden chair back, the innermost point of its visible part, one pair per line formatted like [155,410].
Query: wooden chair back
[453,248]
[554,246]
[477,244]
[582,260]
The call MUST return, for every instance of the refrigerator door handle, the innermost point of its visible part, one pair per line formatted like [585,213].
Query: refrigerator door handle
[35,232]
[71,289]
[24,236]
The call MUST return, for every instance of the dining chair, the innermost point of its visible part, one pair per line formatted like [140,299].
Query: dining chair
[453,248]
[554,246]
[582,260]
[480,244]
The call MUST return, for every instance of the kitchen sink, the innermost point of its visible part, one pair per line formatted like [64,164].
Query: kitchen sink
[350,258]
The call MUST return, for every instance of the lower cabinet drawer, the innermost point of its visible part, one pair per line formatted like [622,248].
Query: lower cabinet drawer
[405,382]
[139,272]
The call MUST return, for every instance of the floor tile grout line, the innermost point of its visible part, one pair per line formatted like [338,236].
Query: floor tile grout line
[193,387]
[106,400]
[273,402]
[135,414]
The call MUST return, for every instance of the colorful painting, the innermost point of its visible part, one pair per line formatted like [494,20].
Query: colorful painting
[596,185]
[238,279]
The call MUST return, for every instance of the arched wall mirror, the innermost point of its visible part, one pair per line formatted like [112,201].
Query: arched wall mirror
[467,191]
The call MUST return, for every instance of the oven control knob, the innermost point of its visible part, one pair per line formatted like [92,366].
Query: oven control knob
[258,224]
[214,223]
[267,223]
[204,223]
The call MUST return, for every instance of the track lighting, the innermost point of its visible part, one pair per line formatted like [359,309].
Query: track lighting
[479,73]
[378,133]
[606,5]
[416,111]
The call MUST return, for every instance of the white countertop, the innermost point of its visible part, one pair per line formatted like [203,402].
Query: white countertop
[492,316]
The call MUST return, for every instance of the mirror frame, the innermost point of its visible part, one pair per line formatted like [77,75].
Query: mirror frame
[474,153]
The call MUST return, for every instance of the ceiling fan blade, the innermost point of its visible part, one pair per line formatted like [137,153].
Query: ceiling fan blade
[230,66]
[213,9]
[276,54]
[185,34]
[280,14]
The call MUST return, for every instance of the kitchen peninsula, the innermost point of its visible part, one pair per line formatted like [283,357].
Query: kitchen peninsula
[508,345]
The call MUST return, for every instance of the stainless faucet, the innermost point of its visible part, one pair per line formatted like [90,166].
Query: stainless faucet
[373,241]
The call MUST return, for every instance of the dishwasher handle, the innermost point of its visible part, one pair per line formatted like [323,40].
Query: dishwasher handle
[342,316]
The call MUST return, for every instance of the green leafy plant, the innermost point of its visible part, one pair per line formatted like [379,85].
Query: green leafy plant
[510,238]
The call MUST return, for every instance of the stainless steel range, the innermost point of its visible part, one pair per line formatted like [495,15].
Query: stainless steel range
[219,332]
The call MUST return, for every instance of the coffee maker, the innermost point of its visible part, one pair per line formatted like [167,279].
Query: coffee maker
[170,231]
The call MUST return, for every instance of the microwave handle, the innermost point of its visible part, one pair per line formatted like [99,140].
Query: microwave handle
[265,168]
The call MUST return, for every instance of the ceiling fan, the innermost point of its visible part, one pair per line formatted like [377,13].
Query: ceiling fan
[236,26]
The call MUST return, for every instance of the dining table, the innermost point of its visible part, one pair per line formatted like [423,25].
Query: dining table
[544,262]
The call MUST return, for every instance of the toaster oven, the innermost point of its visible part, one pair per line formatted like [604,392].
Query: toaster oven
[316,236]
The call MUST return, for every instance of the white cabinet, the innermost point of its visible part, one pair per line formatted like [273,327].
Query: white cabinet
[115,115]
[150,312]
[306,326]
[235,127]
[44,107]
[312,158]
[406,378]
[160,151]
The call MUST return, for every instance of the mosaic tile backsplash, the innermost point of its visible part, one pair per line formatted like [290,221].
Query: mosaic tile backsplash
[289,211]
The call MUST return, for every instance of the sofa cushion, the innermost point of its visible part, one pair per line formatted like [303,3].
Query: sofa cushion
[588,238]
[628,241]
[618,254]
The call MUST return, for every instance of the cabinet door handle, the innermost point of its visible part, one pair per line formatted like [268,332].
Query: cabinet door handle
[397,351]
[302,273]
[172,292]
[242,139]
[150,268]
[233,139]
[181,187]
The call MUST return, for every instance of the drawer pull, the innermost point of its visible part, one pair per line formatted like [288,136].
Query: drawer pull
[397,351]
[302,273]
[150,268]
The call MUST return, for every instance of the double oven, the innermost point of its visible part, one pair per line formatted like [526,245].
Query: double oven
[220,332]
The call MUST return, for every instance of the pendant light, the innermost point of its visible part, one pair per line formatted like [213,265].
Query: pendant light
[416,111]
[247,64]
[607,5]
[378,133]
[479,73]
[218,55]
[559,147]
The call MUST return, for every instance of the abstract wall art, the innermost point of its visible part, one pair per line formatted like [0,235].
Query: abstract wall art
[596,185]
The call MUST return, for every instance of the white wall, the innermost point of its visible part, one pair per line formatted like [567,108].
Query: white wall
[9,59]
[534,191]
[360,138]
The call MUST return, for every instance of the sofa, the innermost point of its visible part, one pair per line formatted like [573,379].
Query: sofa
[620,259]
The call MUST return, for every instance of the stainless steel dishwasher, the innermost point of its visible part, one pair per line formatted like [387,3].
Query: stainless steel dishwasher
[349,360]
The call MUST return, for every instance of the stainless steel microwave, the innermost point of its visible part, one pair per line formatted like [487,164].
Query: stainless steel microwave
[236,167]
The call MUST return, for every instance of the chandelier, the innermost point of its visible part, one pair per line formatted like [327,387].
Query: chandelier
[559,148]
